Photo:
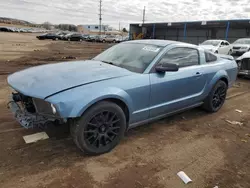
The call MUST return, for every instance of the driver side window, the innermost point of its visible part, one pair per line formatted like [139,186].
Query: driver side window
[183,57]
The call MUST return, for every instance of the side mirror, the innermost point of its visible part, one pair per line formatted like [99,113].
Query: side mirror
[166,67]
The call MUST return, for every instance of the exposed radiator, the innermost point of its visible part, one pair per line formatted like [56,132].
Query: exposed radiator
[245,64]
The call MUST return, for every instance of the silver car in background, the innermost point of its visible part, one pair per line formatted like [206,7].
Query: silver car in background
[109,38]
[241,46]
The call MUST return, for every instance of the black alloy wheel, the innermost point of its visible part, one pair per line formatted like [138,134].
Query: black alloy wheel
[216,97]
[219,96]
[100,128]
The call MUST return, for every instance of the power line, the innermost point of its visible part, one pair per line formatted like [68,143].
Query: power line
[74,12]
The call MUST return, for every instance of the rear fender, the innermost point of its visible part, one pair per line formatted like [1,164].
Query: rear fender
[221,74]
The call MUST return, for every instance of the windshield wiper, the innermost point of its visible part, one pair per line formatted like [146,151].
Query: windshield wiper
[109,62]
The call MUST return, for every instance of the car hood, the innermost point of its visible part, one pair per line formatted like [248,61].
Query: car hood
[45,80]
[245,55]
[209,47]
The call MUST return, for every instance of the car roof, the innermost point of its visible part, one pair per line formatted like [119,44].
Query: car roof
[153,42]
[244,38]
[215,40]
[161,43]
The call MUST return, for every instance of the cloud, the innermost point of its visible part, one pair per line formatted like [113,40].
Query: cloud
[123,11]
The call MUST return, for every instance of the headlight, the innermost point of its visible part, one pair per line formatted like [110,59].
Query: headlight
[53,108]
[239,64]
[44,107]
[244,48]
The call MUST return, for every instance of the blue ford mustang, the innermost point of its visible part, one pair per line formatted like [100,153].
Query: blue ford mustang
[129,84]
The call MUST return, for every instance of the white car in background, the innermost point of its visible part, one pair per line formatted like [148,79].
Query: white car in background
[241,46]
[217,46]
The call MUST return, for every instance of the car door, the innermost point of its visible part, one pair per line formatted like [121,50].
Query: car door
[223,49]
[228,47]
[172,91]
[48,36]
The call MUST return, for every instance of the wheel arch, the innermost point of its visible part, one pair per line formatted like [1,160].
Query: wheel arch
[115,99]
[224,79]
[121,104]
[220,75]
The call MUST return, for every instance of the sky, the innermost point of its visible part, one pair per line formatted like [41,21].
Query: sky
[124,11]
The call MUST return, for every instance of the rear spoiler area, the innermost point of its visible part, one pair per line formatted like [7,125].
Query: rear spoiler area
[228,57]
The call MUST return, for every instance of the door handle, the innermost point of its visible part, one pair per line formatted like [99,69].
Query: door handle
[198,74]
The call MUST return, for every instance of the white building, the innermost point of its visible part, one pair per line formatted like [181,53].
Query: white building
[95,29]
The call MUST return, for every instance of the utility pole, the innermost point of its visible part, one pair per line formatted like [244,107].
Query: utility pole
[143,16]
[100,17]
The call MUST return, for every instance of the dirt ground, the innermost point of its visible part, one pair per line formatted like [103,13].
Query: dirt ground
[211,151]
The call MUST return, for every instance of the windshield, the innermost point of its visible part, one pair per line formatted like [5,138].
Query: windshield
[242,41]
[131,56]
[211,42]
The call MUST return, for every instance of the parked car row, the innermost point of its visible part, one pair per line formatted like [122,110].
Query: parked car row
[21,30]
[82,37]
[239,47]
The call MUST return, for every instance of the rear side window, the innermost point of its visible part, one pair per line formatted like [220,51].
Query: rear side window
[181,56]
[210,57]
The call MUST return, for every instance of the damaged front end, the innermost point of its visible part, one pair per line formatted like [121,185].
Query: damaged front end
[244,67]
[32,112]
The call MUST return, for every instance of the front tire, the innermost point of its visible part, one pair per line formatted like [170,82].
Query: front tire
[216,97]
[99,129]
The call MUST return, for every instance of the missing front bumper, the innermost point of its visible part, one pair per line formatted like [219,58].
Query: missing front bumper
[26,119]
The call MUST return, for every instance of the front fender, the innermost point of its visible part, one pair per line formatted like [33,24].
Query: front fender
[74,102]
[120,94]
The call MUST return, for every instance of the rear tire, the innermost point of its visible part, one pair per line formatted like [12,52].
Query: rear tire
[216,97]
[99,129]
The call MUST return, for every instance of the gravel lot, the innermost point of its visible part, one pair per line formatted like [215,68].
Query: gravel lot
[208,149]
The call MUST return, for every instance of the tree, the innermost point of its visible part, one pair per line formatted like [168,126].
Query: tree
[67,27]
[47,25]
[124,30]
